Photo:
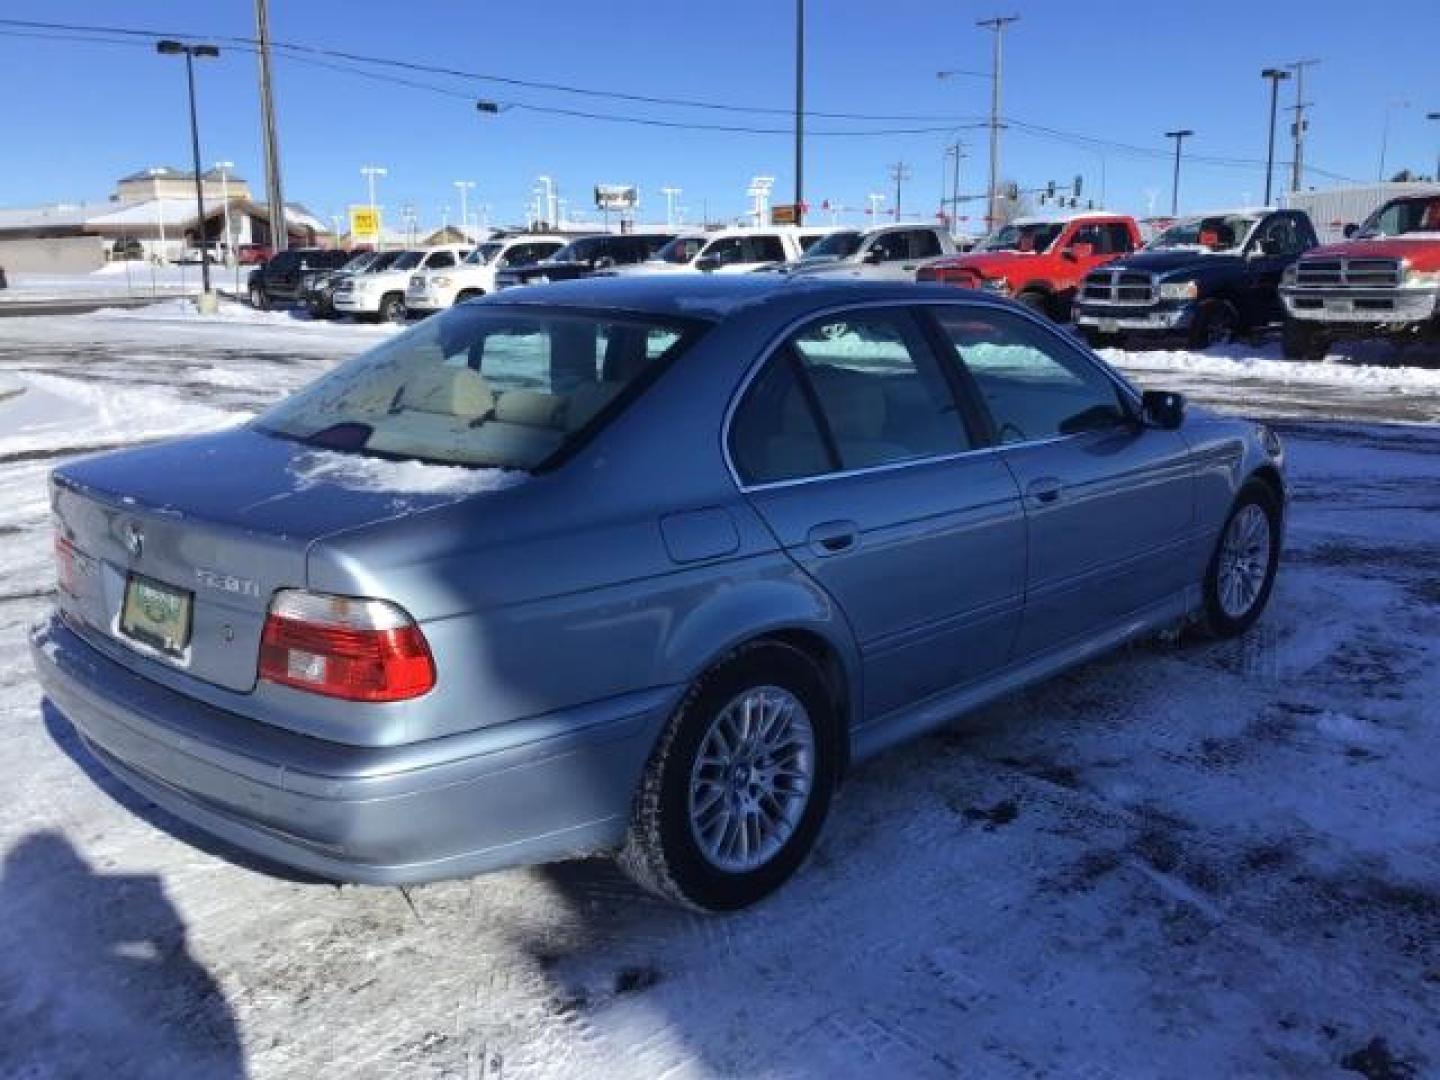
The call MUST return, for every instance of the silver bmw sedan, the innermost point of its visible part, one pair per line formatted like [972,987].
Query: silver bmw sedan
[639,566]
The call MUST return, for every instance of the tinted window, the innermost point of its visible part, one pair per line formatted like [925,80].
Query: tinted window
[440,260]
[764,249]
[1118,239]
[1279,235]
[774,435]
[727,250]
[881,393]
[924,244]
[1034,383]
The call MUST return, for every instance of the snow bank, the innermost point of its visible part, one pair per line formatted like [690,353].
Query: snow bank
[1267,363]
[182,309]
[359,472]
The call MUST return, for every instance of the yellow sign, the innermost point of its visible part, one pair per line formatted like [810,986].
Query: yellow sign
[364,222]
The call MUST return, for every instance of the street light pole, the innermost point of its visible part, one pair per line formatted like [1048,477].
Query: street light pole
[1276,77]
[370,172]
[464,186]
[177,48]
[799,112]
[1435,116]
[1179,137]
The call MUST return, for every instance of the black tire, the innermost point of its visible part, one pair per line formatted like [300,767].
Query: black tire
[1098,340]
[258,300]
[1036,301]
[1216,323]
[661,852]
[392,308]
[1217,622]
[1302,341]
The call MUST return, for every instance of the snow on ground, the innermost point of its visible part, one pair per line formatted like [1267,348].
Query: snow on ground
[1197,859]
[117,279]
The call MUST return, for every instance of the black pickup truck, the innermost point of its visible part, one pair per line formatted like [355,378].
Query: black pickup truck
[585,256]
[1210,278]
[282,278]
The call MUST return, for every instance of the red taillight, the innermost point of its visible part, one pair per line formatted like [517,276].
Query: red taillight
[66,575]
[344,647]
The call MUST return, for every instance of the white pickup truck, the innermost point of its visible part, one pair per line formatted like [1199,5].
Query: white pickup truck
[728,251]
[434,289]
[383,293]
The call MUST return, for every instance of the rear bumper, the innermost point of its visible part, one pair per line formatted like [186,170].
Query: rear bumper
[531,791]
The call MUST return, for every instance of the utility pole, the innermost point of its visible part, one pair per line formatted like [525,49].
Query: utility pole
[957,151]
[274,193]
[1179,137]
[899,172]
[1276,77]
[1435,116]
[996,26]
[1297,130]
[799,112]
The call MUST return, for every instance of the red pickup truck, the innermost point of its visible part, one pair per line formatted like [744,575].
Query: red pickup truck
[1040,261]
[1383,281]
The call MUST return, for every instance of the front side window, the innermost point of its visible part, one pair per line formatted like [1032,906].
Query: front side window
[891,247]
[838,245]
[439,260]
[408,260]
[727,250]
[1279,235]
[924,244]
[1030,236]
[1403,216]
[681,250]
[483,254]
[482,386]
[1034,384]
[766,249]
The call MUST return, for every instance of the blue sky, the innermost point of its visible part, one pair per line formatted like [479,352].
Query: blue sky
[1119,71]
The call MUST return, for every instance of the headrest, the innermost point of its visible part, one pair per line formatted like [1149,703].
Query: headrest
[449,391]
[530,407]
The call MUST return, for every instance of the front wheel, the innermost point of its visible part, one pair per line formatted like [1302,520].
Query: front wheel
[1302,341]
[739,784]
[392,308]
[258,300]
[1242,570]
[1216,323]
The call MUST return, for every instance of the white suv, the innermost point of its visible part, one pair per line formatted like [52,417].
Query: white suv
[434,289]
[729,251]
[885,253]
[383,293]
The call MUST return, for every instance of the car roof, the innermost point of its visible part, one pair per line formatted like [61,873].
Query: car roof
[716,296]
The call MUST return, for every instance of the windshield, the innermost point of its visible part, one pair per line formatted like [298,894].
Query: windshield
[680,250]
[495,385]
[1030,236]
[407,260]
[358,262]
[483,254]
[1403,216]
[1220,232]
[838,245]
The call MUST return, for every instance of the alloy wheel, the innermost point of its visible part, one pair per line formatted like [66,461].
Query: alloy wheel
[1244,561]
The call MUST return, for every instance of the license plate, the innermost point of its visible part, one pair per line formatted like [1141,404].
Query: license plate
[1340,305]
[156,614]
[1108,326]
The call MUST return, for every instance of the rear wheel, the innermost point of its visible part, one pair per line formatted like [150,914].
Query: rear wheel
[392,308]
[1242,570]
[1216,323]
[1303,341]
[739,784]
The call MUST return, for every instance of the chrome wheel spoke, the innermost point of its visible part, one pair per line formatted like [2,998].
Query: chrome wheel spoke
[751,778]
[1244,561]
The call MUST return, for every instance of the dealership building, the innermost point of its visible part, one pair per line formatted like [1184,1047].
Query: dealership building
[151,214]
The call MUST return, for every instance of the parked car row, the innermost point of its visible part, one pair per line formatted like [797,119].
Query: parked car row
[1208,278]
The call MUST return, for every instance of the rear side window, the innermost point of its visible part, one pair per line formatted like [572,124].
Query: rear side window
[924,244]
[440,259]
[1035,385]
[846,392]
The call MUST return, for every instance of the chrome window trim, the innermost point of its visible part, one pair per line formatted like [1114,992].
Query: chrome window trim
[1126,391]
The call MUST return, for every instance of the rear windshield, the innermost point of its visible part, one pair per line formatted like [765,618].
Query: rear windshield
[485,385]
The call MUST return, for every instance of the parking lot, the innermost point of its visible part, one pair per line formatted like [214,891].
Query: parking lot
[1185,859]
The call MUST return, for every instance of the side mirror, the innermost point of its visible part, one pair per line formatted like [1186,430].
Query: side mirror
[707,263]
[1350,229]
[1163,409]
[1080,251]
[604,262]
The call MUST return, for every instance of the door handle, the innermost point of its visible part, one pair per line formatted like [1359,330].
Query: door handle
[833,537]
[1044,489]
